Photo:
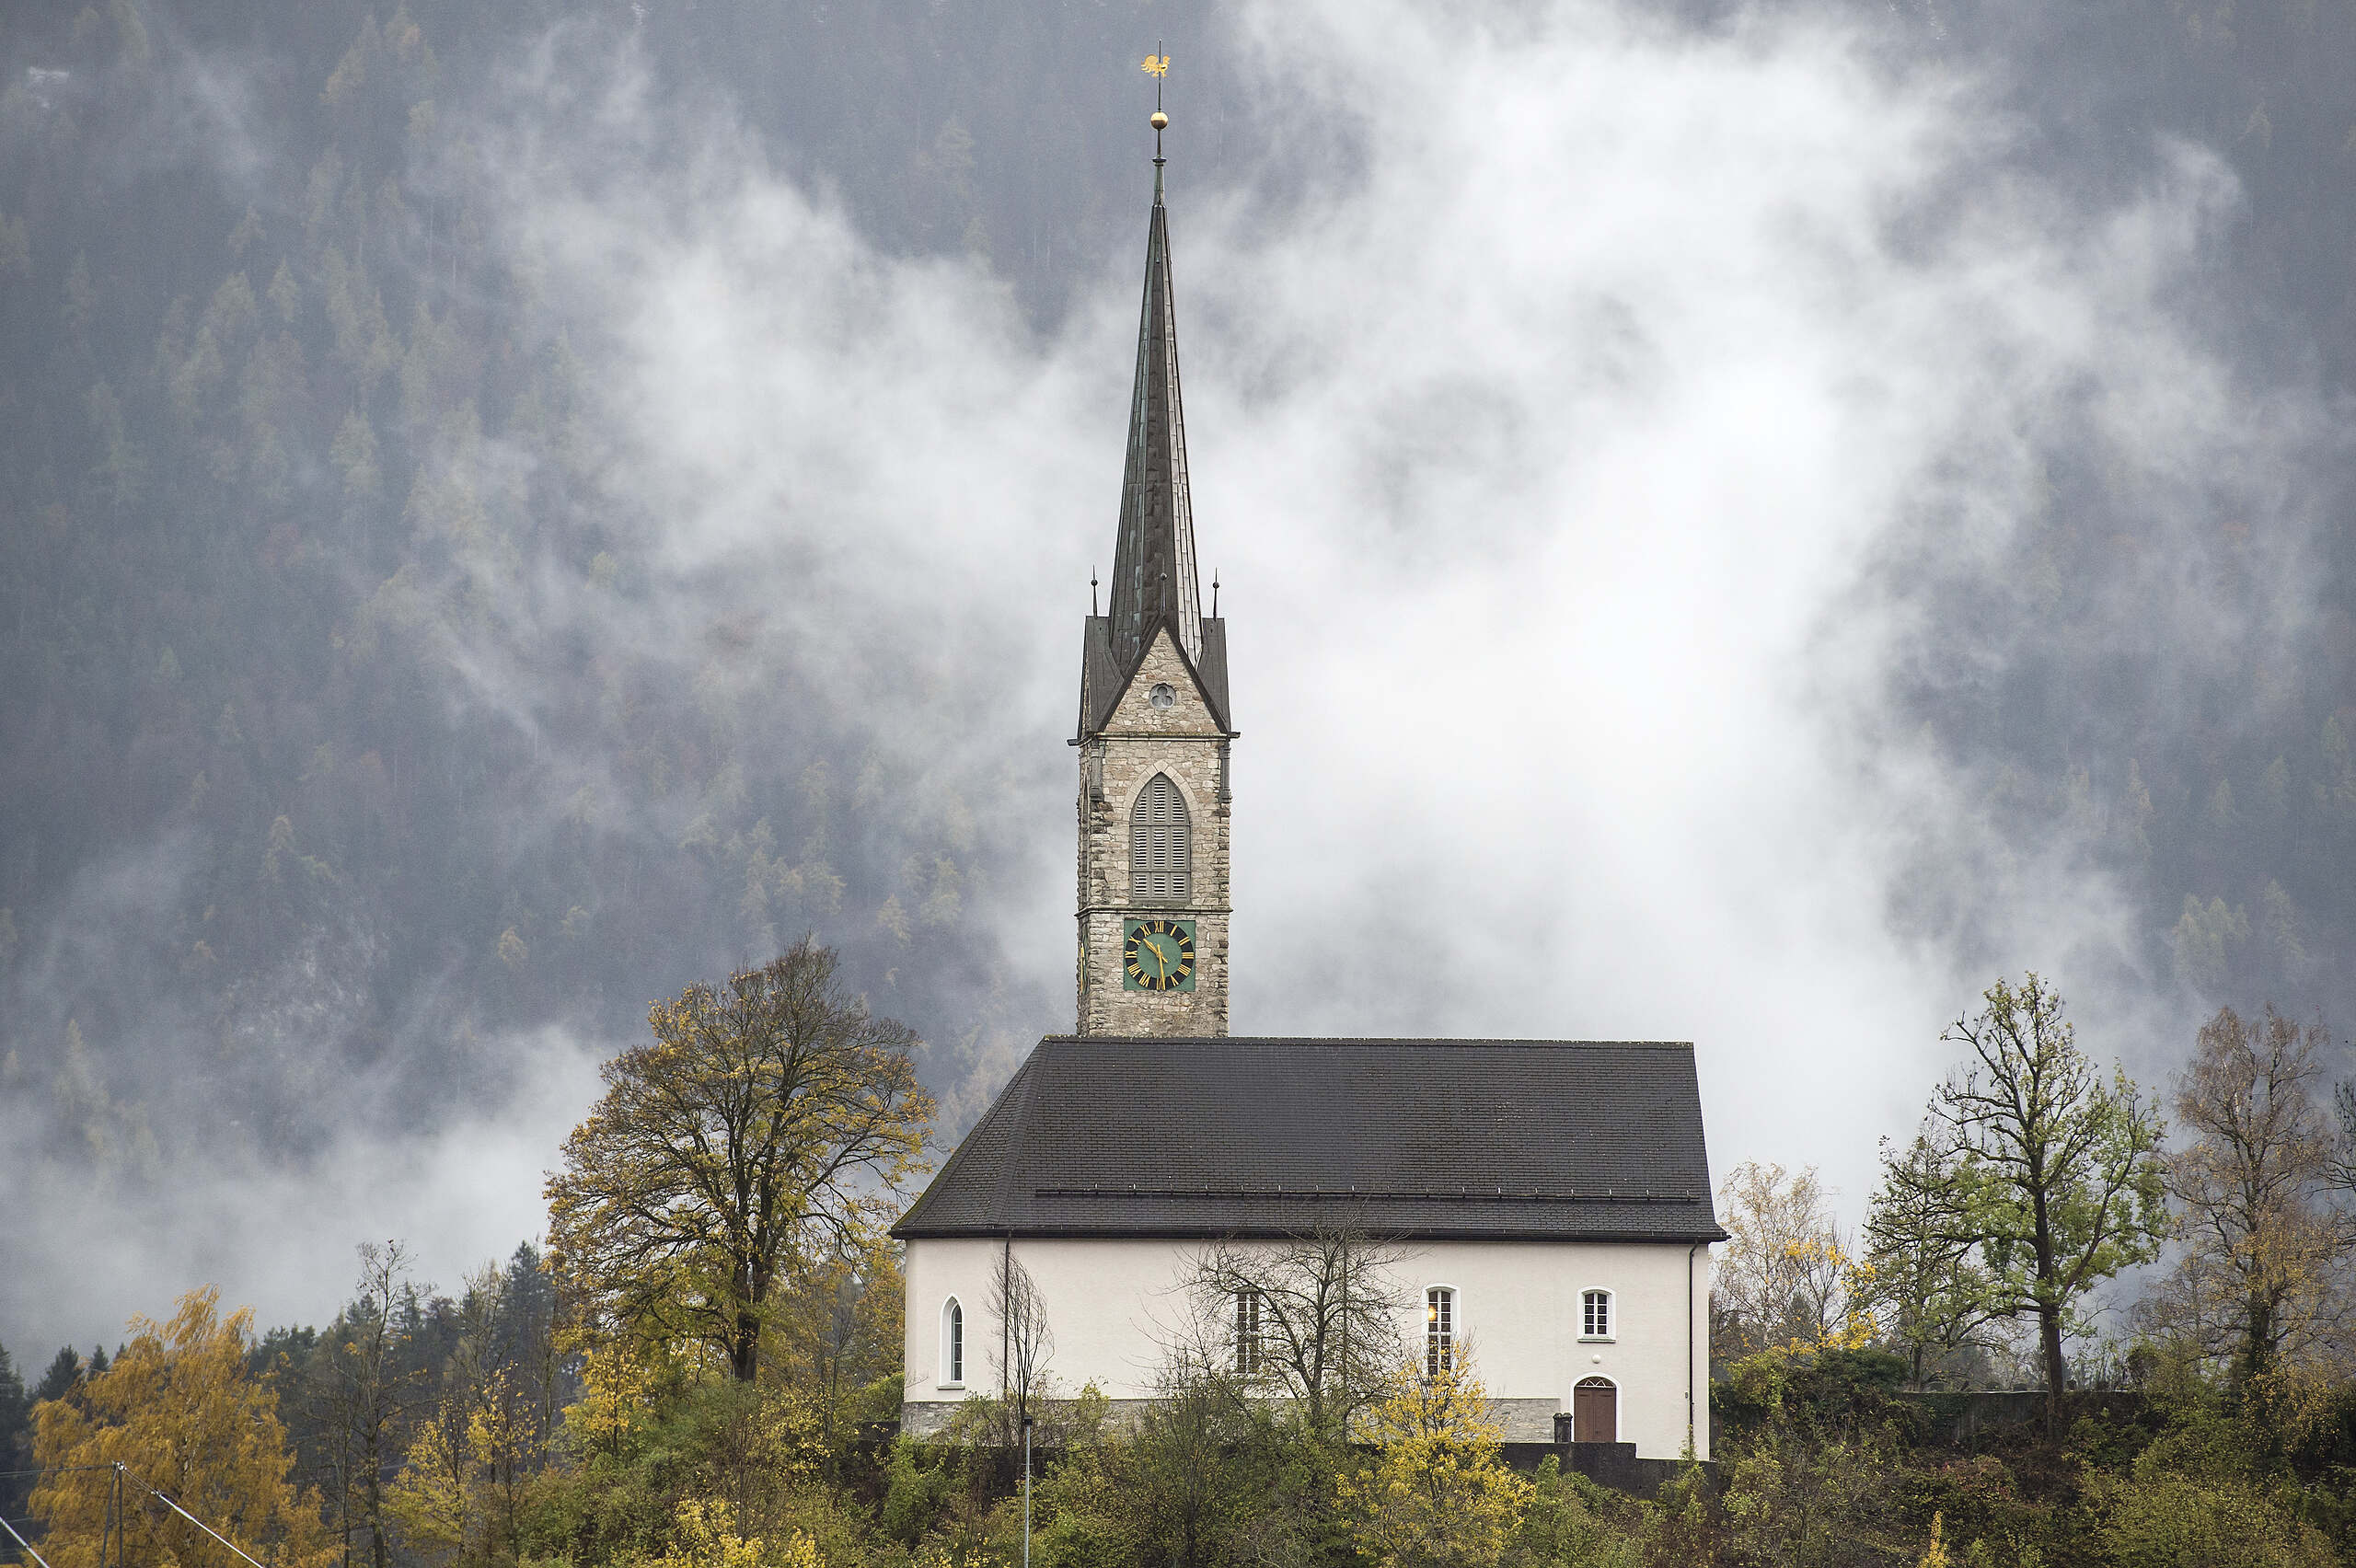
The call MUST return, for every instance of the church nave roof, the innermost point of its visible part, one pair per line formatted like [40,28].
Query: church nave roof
[1531,1139]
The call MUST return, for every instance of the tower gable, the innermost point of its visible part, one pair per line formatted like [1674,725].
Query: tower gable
[1103,687]
[1190,712]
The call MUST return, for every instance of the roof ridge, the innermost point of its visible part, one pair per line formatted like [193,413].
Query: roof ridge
[1296,1040]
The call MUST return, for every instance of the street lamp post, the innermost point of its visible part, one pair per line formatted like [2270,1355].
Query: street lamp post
[1026,1490]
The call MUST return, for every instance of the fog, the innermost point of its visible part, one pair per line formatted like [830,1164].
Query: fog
[1632,450]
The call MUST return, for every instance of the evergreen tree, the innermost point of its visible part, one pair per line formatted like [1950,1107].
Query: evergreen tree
[64,1371]
[15,1437]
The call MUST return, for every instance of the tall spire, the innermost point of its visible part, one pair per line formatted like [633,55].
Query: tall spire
[1153,559]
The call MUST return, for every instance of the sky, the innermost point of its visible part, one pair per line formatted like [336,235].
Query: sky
[1587,418]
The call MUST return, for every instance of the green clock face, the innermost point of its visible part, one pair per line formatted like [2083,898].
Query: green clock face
[1157,955]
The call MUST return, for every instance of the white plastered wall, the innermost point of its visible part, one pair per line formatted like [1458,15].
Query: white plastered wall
[1114,1306]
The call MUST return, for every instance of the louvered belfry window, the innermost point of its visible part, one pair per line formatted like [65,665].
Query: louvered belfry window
[1161,858]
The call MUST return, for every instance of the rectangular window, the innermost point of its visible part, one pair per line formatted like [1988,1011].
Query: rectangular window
[1247,1333]
[1439,1330]
[1596,1316]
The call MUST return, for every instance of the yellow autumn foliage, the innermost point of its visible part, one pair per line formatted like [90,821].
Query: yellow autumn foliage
[1438,1493]
[703,1536]
[180,1412]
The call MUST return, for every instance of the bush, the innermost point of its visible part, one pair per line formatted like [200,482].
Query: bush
[913,1495]
[2158,1520]
[1568,1522]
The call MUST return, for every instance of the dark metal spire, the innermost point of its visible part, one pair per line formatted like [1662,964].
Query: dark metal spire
[1153,559]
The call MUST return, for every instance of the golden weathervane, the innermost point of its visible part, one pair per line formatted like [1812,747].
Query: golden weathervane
[1157,64]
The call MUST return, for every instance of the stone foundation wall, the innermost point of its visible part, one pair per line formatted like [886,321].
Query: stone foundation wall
[1517,1419]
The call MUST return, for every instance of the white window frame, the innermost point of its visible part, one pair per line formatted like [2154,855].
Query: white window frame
[1619,1405]
[1611,1333]
[1249,1353]
[952,1345]
[1437,1334]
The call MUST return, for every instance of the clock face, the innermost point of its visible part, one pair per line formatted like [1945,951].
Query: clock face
[1157,955]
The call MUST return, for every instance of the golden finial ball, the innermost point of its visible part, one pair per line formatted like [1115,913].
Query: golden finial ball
[1160,121]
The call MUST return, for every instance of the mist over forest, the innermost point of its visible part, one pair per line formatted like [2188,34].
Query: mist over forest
[506,511]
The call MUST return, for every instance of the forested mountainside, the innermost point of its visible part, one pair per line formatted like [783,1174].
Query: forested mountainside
[337,743]
[2222,789]
[343,738]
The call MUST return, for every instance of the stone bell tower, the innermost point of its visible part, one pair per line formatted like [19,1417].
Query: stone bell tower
[1154,727]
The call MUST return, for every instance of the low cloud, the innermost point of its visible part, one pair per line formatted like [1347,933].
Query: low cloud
[1593,451]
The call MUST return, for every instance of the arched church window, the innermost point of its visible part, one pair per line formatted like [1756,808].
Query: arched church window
[1439,1330]
[1162,856]
[953,1341]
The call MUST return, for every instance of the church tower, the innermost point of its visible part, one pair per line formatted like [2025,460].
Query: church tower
[1154,729]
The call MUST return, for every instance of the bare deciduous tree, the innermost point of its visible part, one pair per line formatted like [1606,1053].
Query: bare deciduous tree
[1025,1345]
[1783,1274]
[2260,1279]
[1313,1317]
[362,1393]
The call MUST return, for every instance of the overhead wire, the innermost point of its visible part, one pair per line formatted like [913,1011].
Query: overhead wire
[22,1542]
[200,1524]
[124,1471]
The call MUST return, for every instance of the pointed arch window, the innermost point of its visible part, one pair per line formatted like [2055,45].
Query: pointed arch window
[953,1343]
[1162,851]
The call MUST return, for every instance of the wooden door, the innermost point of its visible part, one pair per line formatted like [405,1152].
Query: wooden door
[1595,1412]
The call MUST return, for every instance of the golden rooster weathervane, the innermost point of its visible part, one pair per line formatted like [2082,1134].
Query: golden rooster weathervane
[1157,65]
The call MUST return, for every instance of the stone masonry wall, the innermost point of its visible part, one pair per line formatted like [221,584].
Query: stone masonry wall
[1137,741]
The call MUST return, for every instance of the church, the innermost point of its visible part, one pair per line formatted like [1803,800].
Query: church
[1539,1208]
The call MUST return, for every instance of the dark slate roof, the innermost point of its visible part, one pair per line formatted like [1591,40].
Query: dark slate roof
[1154,579]
[1553,1139]
[1212,668]
[1103,680]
